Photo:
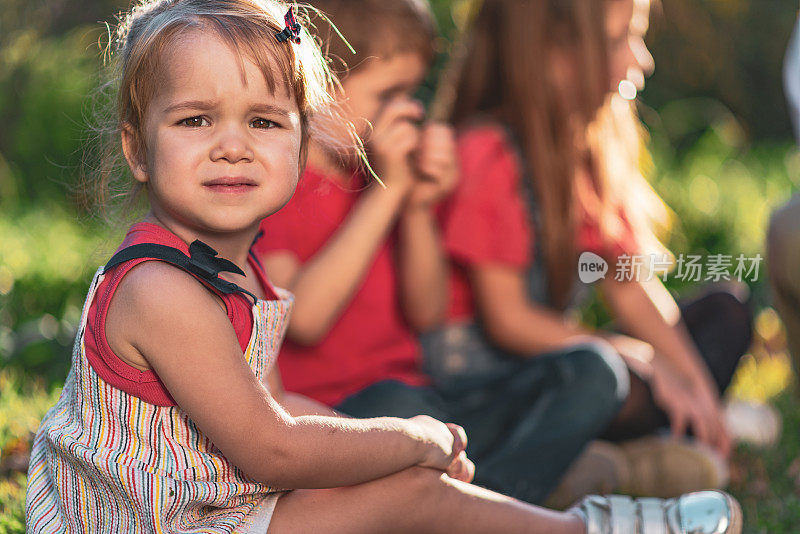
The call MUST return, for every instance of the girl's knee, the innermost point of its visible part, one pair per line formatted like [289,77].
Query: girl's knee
[418,493]
[601,370]
[414,486]
[723,311]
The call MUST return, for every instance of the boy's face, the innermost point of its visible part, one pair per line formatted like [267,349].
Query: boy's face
[375,83]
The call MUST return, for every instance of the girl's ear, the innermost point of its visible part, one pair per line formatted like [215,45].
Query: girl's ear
[134,155]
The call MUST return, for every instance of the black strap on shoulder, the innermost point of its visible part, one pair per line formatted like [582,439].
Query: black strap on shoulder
[202,262]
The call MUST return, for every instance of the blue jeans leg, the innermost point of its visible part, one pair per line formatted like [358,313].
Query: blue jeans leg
[393,398]
[525,436]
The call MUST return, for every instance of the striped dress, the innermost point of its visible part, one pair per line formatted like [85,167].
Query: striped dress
[106,461]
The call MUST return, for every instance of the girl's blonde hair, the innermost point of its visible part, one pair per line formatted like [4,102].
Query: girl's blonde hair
[507,76]
[249,27]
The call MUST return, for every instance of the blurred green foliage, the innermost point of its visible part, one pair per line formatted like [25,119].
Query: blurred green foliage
[45,82]
[721,187]
[23,403]
[12,504]
[47,259]
[727,50]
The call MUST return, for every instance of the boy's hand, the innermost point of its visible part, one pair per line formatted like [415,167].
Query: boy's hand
[437,166]
[394,138]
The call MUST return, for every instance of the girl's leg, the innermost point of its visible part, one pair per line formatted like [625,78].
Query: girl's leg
[721,325]
[418,500]
[526,429]
[639,416]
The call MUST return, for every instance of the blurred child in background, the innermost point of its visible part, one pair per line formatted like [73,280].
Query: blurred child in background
[550,151]
[368,271]
[783,239]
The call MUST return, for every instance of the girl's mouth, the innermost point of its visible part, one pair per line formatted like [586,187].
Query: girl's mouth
[230,184]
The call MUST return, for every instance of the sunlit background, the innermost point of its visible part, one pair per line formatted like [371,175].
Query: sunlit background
[722,156]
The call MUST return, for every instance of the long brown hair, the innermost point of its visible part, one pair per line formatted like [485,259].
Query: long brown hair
[507,76]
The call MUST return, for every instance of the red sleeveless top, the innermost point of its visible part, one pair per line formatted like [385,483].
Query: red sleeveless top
[145,384]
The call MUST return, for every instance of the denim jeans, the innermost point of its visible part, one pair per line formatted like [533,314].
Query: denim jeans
[526,420]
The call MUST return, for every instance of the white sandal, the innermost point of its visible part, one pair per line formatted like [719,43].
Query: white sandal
[702,512]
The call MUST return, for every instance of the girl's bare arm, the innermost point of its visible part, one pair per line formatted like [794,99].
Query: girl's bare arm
[647,311]
[511,319]
[183,332]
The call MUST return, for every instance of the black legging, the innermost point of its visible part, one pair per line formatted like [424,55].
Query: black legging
[721,325]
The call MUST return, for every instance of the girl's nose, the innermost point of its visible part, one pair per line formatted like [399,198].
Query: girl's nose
[233,147]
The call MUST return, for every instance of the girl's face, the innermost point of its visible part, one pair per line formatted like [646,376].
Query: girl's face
[629,59]
[221,151]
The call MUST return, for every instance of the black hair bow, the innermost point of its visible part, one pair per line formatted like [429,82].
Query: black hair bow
[292,30]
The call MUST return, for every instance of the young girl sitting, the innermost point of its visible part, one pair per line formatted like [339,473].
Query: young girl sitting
[172,418]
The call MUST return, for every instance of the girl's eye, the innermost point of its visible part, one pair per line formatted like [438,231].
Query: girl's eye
[194,122]
[263,123]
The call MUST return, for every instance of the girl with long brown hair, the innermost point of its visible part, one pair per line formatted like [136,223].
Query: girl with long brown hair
[550,152]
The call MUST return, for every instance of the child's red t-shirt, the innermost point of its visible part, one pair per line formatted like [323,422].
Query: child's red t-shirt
[370,341]
[487,220]
[146,384]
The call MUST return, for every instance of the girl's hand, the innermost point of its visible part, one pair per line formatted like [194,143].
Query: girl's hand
[688,401]
[437,166]
[688,407]
[445,443]
[462,468]
[708,401]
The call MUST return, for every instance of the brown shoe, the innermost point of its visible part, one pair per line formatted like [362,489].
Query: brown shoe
[601,468]
[663,466]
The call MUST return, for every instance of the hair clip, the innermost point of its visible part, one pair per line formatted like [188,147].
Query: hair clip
[292,30]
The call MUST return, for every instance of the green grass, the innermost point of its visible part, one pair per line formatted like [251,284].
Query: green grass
[23,402]
[767,483]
